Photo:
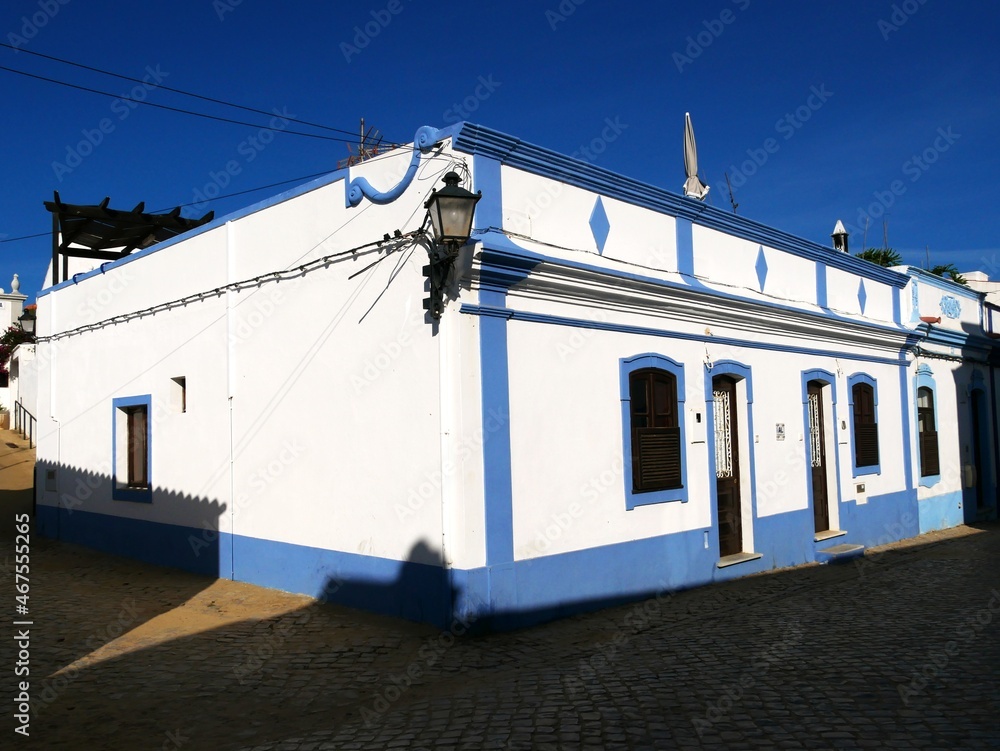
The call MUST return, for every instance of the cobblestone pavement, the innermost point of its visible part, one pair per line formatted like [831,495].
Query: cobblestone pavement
[900,649]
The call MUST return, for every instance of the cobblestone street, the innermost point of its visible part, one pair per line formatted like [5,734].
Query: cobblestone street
[900,649]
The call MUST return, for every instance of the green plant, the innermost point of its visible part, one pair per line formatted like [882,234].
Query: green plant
[881,256]
[949,271]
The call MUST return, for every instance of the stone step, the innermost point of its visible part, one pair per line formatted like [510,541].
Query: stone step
[843,552]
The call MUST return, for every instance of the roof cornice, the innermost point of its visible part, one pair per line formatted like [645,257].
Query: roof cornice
[946,285]
[513,152]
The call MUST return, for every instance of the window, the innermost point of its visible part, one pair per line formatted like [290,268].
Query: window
[138,468]
[178,394]
[652,399]
[131,435]
[927,433]
[656,444]
[864,423]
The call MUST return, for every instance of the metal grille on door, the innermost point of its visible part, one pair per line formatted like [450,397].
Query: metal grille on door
[723,436]
[815,440]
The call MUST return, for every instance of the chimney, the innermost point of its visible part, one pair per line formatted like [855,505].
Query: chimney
[839,237]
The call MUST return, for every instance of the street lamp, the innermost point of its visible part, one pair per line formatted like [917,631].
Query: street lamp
[27,321]
[451,210]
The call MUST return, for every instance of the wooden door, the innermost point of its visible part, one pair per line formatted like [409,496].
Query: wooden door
[977,447]
[817,457]
[727,466]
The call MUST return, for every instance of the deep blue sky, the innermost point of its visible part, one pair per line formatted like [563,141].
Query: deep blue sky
[557,73]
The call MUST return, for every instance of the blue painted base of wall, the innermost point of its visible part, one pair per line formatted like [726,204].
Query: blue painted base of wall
[941,512]
[403,589]
[501,597]
[180,547]
[884,519]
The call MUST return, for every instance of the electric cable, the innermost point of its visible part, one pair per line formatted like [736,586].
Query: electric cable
[176,91]
[178,109]
[278,274]
[230,195]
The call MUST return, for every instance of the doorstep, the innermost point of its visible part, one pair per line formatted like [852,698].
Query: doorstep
[843,552]
[732,560]
[829,534]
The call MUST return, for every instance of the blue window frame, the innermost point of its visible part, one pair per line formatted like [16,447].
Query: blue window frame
[927,428]
[643,445]
[132,448]
[862,393]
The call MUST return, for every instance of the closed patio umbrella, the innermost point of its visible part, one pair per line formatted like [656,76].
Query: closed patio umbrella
[693,186]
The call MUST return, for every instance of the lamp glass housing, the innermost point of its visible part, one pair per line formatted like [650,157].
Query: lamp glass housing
[451,210]
[27,321]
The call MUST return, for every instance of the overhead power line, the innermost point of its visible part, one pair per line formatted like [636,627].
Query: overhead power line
[176,109]
[176,91]
[194,203]
[211,200]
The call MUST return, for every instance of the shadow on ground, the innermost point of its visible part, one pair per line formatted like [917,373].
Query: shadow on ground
[322,670]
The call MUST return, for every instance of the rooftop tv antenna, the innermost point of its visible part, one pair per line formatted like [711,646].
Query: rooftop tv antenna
[369,145]
[731,199]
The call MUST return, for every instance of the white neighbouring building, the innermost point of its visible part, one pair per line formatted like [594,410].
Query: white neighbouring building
[11,308]
[628,391]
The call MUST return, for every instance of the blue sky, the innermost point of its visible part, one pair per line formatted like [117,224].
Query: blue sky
[818,111]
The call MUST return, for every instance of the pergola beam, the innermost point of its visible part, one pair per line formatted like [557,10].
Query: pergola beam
[109,234]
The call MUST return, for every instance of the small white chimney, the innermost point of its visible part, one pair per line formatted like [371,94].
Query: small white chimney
[839,237]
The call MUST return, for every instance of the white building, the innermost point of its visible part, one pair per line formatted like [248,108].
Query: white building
[628,391]
[980,282]
[11,308]
[956,402]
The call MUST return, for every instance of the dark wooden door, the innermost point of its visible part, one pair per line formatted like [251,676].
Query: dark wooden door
[727,466]
[817,456]
[977,447]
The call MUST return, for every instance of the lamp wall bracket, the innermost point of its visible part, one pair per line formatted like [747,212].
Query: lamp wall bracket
[359,188]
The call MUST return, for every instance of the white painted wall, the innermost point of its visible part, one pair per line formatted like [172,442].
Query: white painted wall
[567,429]
[313,403]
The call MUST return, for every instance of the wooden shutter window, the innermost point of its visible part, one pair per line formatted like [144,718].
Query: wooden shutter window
[656,434]
[659,454]
[929,460]
[929,464]
[138,468]
[865,426]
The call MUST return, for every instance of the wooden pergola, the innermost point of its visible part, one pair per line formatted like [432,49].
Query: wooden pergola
[109,234]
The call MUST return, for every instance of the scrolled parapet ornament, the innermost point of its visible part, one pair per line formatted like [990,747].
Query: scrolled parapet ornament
[950,307]
[359,188]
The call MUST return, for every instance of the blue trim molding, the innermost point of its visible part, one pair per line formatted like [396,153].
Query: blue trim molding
[626,366]
[118,490]
[499,270]
[825,376]
[761,267]
[743,373]
[486,180]
[513,152]
[520,315]
[904,400]
[821,293]
[685,247]
[852,380]
[945,285]
[925,378]
[600,227]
